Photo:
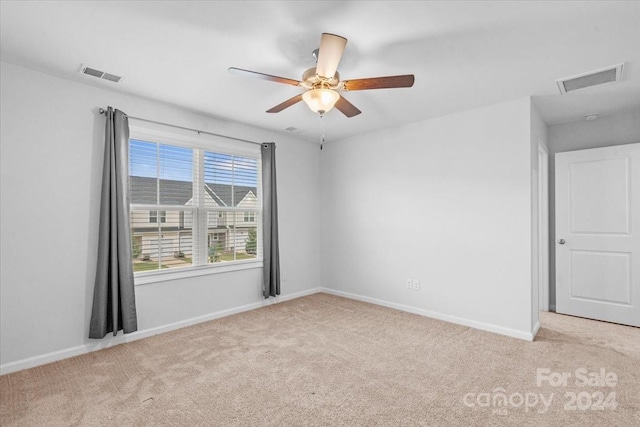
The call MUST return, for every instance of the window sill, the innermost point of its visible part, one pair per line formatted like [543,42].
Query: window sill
[147,278]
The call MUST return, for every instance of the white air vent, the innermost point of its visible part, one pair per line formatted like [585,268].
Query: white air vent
[99,74]
[592,78]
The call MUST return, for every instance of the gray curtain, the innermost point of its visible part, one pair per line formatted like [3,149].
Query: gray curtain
[271,254]
[114,305]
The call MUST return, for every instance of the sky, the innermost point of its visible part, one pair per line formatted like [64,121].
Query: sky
[153,160]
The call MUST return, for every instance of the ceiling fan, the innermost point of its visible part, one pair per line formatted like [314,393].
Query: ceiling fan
[323,83]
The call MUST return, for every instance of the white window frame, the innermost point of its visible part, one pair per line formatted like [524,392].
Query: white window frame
[156,133]
[160,215]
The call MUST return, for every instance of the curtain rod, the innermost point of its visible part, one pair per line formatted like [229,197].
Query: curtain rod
[103,111]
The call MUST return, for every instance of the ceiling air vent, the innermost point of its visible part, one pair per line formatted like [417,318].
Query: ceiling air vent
[99,74]
[592,78]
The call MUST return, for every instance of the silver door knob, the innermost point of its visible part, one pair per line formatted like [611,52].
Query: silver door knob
[562,241]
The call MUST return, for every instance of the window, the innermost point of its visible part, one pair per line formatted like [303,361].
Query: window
[153,216]
[189,206]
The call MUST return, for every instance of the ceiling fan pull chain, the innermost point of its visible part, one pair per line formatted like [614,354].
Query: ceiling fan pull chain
[322,136]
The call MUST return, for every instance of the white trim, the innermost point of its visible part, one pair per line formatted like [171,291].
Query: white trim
[528,336]
[142,207]
[155,276]
[170,135]
[543,226]
[122,339]
[536,328]
[54,356]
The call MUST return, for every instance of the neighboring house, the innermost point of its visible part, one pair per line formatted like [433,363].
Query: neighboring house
[168,233]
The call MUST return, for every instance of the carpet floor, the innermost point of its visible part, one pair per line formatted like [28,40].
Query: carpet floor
[323,360]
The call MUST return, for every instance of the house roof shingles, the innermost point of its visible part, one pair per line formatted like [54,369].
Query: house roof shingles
[144,191]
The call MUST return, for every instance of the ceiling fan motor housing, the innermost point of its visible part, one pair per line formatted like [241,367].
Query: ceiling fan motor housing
[311,80]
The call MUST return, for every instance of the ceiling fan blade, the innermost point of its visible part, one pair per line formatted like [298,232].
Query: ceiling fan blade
[388,82]
[347,108]
[286,104]
[329,55]
[254,74]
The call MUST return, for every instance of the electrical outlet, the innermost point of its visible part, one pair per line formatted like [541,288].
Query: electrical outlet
[409,284]
[415,284]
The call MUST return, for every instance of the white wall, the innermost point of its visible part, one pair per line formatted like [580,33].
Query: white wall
[51,150]
[615,129]
[446,201]
[539,136]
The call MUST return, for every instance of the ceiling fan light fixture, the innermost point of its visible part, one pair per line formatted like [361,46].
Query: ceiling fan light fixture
[320,100]
[322,82]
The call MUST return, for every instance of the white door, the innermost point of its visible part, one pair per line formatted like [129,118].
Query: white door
[598,233]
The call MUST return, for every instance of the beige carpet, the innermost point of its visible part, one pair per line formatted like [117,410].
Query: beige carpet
[323,360]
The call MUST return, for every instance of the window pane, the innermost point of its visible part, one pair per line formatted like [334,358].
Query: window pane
[219,238]
[175,171]
[246,242]
[245,178]
[231,180]
[143,172]
[229,240]
[168,244]
[218,177]
[160,174]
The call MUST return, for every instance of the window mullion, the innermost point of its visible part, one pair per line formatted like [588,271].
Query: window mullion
[159,240]
[234,221]
[200,223]
[158,202]
[260,212]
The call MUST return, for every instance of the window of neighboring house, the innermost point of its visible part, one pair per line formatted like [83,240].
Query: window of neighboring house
[153,216]
[179,197]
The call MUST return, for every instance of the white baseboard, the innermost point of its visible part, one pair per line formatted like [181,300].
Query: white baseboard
[43,359]
[528,336]
[121,338]
[536,328]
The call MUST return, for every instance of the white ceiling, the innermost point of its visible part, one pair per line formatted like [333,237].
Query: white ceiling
[463,54]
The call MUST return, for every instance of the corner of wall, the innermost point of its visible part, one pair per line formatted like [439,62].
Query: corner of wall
[538,137]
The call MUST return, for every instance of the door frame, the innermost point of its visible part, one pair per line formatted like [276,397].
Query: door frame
[543,226]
